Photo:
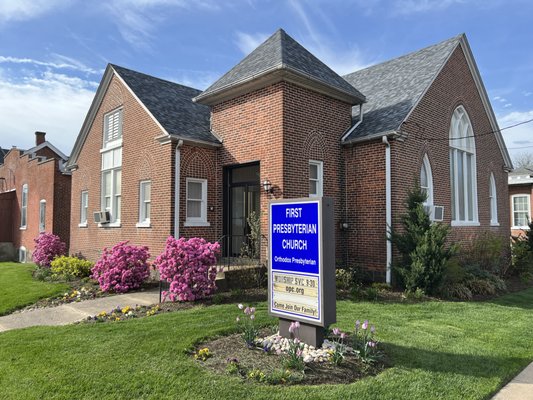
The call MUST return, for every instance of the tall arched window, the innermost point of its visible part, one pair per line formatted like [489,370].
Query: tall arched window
[426,180]
[463,169]
[493,201]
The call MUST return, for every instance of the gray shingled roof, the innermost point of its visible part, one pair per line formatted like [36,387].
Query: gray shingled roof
[280,51]
[171,104]
[522,171]
[394,87]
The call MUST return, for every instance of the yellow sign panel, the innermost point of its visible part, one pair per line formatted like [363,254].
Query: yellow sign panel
[295,293]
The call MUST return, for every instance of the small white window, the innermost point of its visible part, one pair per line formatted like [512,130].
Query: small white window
[84,207]
[315,178]
[145,189]
[112,126]
[521,211]
[24,207]
[493,201]
[42,215]
[426,181]
[196,209]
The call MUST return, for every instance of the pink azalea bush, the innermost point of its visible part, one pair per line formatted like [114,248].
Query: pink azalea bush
[122,268]
[47,247]
[189,267]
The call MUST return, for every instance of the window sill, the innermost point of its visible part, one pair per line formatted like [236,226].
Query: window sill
[465,223]
[523,228]
[84,225]
[110,225]
[143,225]
[494,224]
[23,228]
[196,223]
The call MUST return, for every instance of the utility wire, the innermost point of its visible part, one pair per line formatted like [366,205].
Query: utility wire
[478,135]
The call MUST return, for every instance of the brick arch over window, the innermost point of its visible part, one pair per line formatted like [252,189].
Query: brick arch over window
[198,164]
[145,166]
[314,146]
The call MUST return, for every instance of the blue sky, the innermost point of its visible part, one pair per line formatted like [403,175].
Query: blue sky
[53,52]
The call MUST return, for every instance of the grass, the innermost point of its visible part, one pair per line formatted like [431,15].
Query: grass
[19,289]
[439,350]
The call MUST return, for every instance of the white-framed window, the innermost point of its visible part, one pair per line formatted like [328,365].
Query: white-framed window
[426,180]
[521,206]
[112,126]
[493,200]
[23,254]
[145,189]
[315,178]
[42,215]
[84,208]
[196,208]
[24,207]
[463,170]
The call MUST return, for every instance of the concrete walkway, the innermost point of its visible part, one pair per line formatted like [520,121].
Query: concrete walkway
[520,388]
[73,312]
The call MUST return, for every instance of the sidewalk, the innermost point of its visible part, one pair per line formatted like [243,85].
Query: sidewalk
[73,312]
[520,388]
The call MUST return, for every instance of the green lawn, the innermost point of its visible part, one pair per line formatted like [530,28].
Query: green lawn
[439,350]
[19,289]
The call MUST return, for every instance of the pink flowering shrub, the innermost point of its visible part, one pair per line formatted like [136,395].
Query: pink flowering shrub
[189,267]
[47,247]
[122,268]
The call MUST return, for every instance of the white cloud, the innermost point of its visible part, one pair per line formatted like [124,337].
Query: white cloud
[195,79]
[60,62]
[517,137]
[137,20]
[247,42]
[54,103]
[22,10]
[507,105]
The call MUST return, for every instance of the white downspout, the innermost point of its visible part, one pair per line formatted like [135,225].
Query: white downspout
[177,190]
[388,207]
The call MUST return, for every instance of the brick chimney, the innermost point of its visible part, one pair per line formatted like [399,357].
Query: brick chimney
[39,138]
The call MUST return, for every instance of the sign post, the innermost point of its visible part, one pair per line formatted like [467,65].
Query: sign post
[301,273]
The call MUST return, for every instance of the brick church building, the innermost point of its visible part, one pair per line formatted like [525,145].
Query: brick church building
[155,158]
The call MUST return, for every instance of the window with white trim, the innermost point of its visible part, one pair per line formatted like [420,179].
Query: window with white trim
[315,178]
[521,209]
[84,209]
[145,189]
[493,200]
[112,166]
[24,207]
[42,215]
[463,170]
[196,205]
[426,180]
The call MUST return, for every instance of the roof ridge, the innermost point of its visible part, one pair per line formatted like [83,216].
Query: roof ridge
[456,37]
[114,66]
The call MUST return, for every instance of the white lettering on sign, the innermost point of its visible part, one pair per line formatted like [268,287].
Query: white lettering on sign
[293,212]
[294,244]
[302,229]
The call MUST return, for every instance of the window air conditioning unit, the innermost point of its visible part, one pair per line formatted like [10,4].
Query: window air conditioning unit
[101,217]
[435,213]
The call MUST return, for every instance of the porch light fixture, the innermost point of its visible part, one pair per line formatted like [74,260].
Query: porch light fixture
[267,186]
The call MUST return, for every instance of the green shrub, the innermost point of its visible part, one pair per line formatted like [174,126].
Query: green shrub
[42,273]
[522,257]
[347,278]
[71,267]
[417,294]
[422,246]
[456,291]
[382,286]
[486,251]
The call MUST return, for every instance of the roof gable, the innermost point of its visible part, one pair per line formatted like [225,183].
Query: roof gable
[394,87]
[278,53]
[169,104]
[35,149]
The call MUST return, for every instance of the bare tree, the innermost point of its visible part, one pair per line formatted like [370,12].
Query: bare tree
[523,159]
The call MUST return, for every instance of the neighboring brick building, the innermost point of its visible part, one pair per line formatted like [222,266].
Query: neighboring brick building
[520,194]
[283,116]
[34,196]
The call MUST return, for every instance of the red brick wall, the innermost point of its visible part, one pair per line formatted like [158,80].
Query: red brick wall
[142,158]
[45,182]
[519,189]
[365,187]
